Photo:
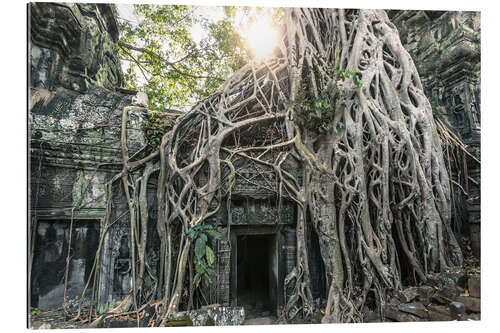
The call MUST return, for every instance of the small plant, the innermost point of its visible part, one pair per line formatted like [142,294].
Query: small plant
[155,128]
[35,311]
[342,75]
[357,81]
[436,111]
[204,256]
[318,112]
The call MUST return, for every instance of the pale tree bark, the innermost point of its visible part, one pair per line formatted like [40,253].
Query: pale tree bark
[342,101]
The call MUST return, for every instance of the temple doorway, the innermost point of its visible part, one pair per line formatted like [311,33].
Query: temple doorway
[257,273]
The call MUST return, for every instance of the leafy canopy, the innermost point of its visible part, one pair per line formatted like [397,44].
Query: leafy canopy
[162,58]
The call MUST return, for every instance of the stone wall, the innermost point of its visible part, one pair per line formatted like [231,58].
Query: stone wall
[74,119]
[75,111]
[72,46]
[446,48]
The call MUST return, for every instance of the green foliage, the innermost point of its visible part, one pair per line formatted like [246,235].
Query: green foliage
[318,112]
[167,63]
[155,127]
[436,111]
[357,81]
[342,75]
[35,311]
[203,254]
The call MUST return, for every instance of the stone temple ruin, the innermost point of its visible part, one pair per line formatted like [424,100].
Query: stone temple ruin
[75,110]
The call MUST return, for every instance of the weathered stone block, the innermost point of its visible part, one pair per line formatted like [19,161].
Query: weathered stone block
[408,295]
[439,313]
[425,294]
[448,285]
[72,45]
[216,316]
[474,285]
[372,317]
[395,314]
[472,304]
[415,308]
[457,311]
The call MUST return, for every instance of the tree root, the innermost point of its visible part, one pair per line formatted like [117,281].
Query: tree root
[375,189]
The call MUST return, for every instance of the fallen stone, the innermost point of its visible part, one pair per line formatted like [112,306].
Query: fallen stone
[474,316]
[212,316]
[393,301]
[447,285]
[227,316]
[372,317]
[457,311]
[408,295]
[201,318]
[474,285]
[425,294]
[45,326]
[395,314]
[439,313]
[472,304]
[415,308]
[439,298]
[119,323]
[179,319]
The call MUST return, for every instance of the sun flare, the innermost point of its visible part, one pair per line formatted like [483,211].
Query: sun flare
[262,38]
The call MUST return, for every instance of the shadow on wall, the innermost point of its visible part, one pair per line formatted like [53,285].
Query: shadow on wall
[49,261]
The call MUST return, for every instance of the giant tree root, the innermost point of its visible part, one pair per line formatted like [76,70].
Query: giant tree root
[341,100]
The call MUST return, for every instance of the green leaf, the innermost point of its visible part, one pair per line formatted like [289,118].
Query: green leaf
[191,234]
[210,255]
[318,113]
[165,30]
[203,236]
[214,234]
[199,247]
[197,277]
[199,266]
[357,81]
[207,279]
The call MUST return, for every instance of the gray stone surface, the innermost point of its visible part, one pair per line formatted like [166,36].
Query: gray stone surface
[408,295]
[72,46]
[448,284]
[446,48]
[474,286]
[472,304]
[457,311]
[439,313]
[74,124]
[217,316]
[414,308]
[75,110]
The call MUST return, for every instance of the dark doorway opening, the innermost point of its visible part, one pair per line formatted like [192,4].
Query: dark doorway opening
[257,274]
[49,260]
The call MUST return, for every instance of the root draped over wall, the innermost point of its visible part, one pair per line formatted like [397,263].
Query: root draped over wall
[372,182]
